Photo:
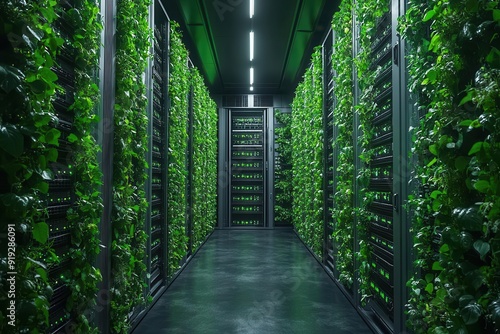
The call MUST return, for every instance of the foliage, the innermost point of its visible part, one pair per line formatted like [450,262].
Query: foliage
[85,216]
[343,210]
[179,86]
[307,156]
[204,169]
[29,157]
[367,13]
[28,142]
[454,68]
[129,163]
[283,169]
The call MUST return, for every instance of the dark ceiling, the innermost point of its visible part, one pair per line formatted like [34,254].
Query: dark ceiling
[217,34]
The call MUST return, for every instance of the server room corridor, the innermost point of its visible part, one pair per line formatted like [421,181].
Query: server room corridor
[253,281]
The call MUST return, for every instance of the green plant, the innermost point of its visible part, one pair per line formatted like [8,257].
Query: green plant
[367,14]
[204,169]
[283,169]
[84,217]
[179,86]
[454,71]
[307,156]
[343,209]
[129,163]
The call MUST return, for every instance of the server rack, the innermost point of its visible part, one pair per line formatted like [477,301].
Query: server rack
[61,195]
[157,192]
[248,167]
[329,155]
[381,226]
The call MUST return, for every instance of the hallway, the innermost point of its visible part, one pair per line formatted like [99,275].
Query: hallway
[253,281]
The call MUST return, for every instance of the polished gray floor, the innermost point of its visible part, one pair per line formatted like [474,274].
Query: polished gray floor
[253,281]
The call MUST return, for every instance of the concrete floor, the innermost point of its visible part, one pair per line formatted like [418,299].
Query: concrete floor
[253,281]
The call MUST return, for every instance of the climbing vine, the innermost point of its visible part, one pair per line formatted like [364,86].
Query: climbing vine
[85,215]
[179,86]
[343,210]
[32,45]
[454,67]
[204,169]
[28,143]
[307,152]
[367,13]
[129,164]
[283,169]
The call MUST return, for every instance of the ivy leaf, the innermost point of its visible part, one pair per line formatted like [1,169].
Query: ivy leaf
[43,187]
[433,149]
[467,98]
[11,140]
[429,15]
[482,247]
[41,232]
[429,288]
[496,15]
[436,266]
[476,148]
[482,186]
[72,138]
[52,137]
[47,75]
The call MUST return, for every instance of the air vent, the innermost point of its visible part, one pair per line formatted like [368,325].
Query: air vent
[263,101]
[235,101]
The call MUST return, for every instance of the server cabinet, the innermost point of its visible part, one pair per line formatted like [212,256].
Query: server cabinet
[387,226]
[157,192]
[381,226]
[248,166]
[329,157]
[61,196]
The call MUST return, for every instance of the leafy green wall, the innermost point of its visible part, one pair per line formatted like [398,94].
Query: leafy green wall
[30,157]
[128,246]
[179,88]
[343,209]
[283,213]
[307,156]
[204,169]
[454,67]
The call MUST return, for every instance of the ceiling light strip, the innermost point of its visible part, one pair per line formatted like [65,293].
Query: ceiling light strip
[251,45]
[251,8]
[251,76]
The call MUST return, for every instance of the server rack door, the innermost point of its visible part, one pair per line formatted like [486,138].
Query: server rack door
[247,172]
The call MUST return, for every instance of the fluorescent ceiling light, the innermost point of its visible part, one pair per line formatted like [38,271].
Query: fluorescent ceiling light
[251,88]
[251,75]
[251,45]
[251,8]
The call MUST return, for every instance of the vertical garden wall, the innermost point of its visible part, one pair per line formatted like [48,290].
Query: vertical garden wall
[133,37]
[283,211]
[307,156]
[204,155]
[50,176]
[453,62]
[454,66]
[179,89]
[50,179]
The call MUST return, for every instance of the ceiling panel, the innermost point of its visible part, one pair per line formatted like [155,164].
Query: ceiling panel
[217,35]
